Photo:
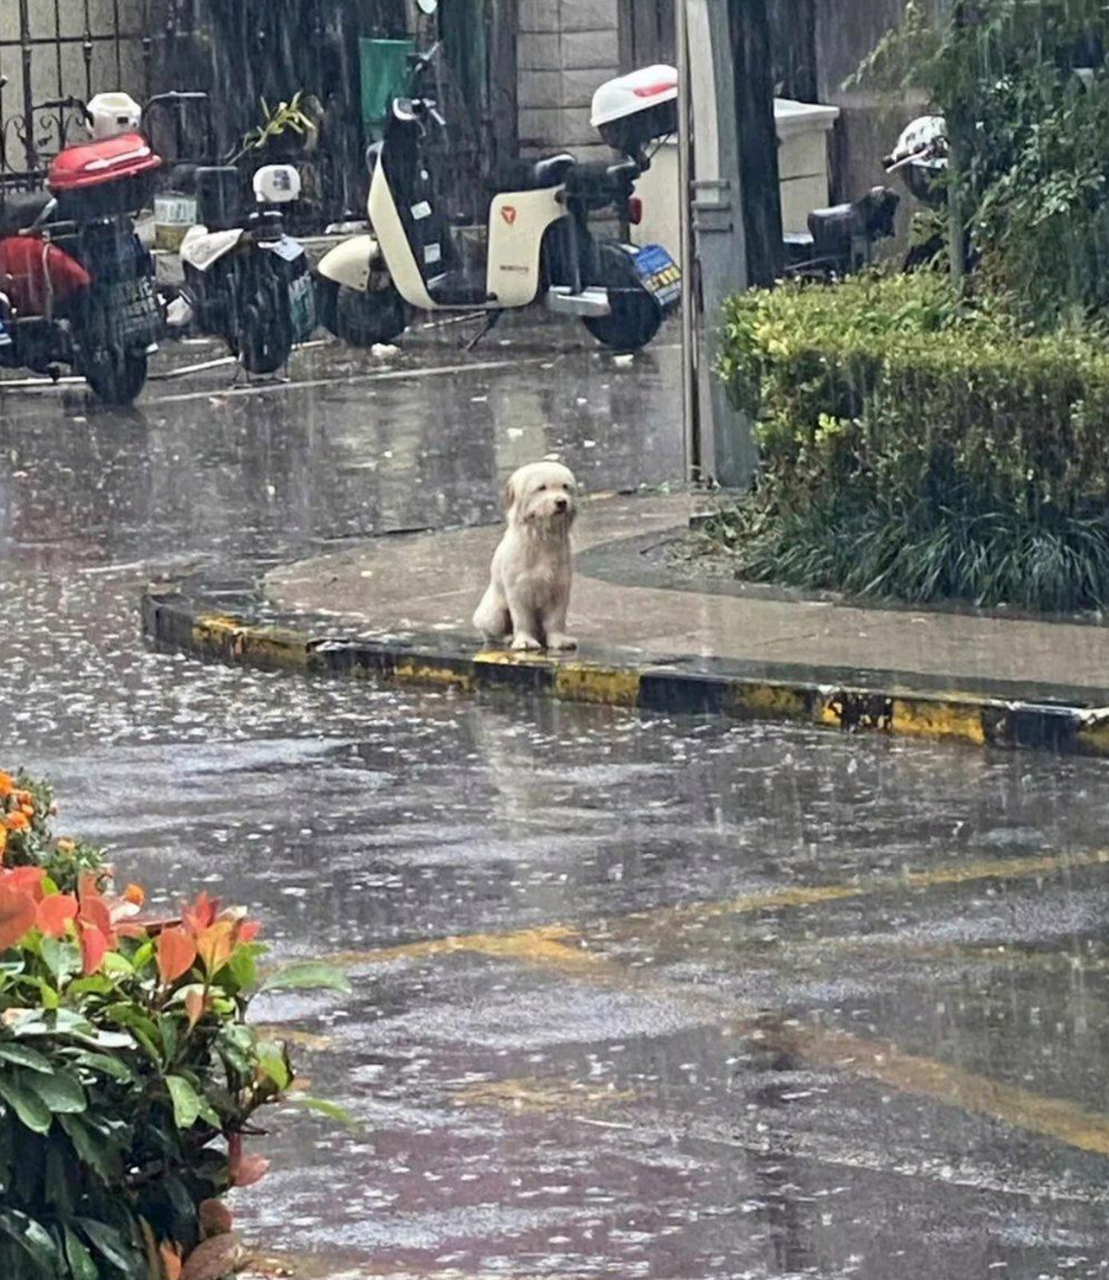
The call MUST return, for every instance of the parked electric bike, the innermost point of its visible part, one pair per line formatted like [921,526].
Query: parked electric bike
[246,281]
[76,284]
[841,239]
[533,241]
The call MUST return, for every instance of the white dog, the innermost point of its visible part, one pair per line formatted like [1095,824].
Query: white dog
[529,587]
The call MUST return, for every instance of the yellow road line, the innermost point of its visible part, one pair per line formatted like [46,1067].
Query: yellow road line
[558,946]
[548,946]
[811,895]
[1049,1117]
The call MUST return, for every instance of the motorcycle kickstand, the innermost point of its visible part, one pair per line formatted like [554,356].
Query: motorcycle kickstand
[491,322]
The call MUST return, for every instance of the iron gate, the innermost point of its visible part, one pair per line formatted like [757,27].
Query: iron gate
[51,49]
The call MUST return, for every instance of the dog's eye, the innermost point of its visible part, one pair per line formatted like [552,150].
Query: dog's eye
[566,487]
[542,488]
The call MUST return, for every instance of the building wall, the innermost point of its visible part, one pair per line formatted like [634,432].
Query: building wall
[566,49]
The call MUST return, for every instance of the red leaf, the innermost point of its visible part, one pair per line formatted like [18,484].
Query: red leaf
[176,953]
[251,1169]
[201,914]
[25,880]
[194,1007]
[17,916]
[249,930]
[171,1261]
[55,912]
[94,912]
[216,945]
[94,947]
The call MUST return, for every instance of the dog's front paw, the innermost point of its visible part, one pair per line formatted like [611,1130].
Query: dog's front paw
[522,643]
[559,641]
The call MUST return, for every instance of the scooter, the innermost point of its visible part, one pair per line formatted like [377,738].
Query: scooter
[841,238]
[920,158]
[246,281]
[76,284]
[535,242]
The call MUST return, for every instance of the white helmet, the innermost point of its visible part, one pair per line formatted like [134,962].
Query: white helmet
[923,142]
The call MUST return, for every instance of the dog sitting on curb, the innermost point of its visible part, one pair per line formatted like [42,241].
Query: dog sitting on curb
[529,588]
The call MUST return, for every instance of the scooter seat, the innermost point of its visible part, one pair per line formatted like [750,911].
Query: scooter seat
[551,171]
[21,209]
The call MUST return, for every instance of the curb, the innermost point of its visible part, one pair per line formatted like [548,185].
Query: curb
[231,623]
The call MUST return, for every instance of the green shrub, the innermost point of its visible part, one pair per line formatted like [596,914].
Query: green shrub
[1028,133]
[915,446]
[128,1073]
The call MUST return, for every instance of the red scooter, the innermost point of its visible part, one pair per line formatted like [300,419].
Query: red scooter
[76,284]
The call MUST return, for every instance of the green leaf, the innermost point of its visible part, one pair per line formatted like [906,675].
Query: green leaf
[115,965]
[330,1109]
[33,1113]
[272,1060]
[186,1104]
[243,969]
[60,1091]
[34,1239]
[81,1262]
[307,975]
[103,1064]
[91,1148]
[62,958]
[112,1244]
[24,1056]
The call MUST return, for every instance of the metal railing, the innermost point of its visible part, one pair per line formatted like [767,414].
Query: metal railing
[111,38]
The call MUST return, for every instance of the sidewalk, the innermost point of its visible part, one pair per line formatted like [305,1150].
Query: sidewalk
[651,636]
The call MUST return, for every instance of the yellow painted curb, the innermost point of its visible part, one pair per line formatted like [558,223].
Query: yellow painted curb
[580,682]
[918,719]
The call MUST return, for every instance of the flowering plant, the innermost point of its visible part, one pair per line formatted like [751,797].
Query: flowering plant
[129,1076]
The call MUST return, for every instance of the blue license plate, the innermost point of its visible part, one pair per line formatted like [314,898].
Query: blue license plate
[660,274]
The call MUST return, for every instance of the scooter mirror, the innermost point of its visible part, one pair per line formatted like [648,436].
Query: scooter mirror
[276,184]
[427,7]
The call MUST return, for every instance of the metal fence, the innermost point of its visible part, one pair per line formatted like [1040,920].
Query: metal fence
[51,49]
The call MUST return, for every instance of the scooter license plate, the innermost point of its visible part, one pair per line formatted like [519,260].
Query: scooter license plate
[302,304]
[660,274]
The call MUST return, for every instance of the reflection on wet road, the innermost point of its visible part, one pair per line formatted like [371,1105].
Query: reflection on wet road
[633,996]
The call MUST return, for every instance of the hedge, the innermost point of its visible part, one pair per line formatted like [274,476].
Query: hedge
[915,446]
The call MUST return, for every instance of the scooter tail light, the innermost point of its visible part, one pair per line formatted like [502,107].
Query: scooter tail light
[635,210]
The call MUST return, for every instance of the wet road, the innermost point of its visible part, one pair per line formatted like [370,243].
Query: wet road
[721,1001]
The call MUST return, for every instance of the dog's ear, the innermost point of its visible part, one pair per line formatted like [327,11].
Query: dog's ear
[510,494]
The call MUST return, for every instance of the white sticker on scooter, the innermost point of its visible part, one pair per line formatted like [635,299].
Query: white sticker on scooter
[286,248]
[421,210]
[432,253]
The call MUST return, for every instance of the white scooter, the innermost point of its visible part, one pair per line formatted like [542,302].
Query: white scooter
[536,242]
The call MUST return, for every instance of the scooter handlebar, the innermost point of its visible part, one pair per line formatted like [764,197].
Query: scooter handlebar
[64,104]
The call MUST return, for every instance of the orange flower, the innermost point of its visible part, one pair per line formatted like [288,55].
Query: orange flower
[7,785]
[3,841]
[134,894]
[17,822]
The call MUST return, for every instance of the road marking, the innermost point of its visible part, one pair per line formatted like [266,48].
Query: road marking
[533,1094]
[345,380]
[812,895]
[560,946]
[548,946]
[1056,1118]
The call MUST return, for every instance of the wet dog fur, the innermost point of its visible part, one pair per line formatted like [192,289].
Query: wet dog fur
[529,582]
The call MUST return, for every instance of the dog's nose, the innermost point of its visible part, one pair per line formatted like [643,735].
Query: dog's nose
[560,504]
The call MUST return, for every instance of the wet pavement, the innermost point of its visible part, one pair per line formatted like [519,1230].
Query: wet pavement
[634,996]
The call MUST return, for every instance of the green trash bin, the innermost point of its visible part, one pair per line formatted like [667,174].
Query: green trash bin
[385,75]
